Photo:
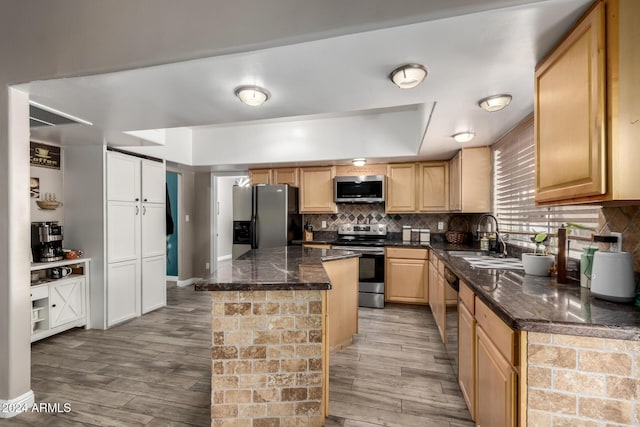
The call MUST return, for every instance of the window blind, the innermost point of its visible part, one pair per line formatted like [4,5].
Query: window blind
[514,184]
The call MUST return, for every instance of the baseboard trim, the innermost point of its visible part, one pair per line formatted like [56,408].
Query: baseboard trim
[171,278]
[224,257]
[188,282]
[11,408]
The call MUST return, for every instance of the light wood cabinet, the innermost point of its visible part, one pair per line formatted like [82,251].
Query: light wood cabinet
[586,108]
[496,382]
[433,187]
[470,180]
[570,113]
[316,190]
[260,176]
[496,377]
[406,275]
[285,176]
[342,302]
[401,188]
[466,347]
[316,245]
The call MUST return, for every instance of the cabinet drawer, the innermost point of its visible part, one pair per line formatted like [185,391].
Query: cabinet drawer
[39,292]
[467,297]
[407,253]
[502,336]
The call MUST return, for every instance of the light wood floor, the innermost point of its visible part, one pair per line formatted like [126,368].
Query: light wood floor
[156,371]
[395,374]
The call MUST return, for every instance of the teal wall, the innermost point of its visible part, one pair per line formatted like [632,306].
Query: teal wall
[172,240]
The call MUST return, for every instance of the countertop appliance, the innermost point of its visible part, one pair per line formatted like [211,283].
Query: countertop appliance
[368,240]
[359,189]
[612,276]
[265,216]
[46,241]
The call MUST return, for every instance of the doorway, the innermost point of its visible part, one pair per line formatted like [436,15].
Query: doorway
[172,239]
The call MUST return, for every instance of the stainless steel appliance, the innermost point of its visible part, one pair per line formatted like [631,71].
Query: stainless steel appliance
[359,189]
[46,241]
[369,241]
[265,216]
[451,322]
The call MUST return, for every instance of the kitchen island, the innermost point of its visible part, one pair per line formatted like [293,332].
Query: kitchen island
[571,359]
[276,316]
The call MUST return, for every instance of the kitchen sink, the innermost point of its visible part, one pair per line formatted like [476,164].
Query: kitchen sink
[479,259]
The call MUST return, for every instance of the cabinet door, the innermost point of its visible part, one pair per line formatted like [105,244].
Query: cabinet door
[496,383]
[123,291]
[154,241]
[316,190]
[570,114]
[153,182]
[455,183]
[123,177]
[66,301]
[123,231]
[466,356]
[401,188]
[286,176]
[407,280]
[154,288]
[475,176]
[433,187]
[260,176]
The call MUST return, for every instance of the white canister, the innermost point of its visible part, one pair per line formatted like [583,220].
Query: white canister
[612,276]
[425,235]
[406,233]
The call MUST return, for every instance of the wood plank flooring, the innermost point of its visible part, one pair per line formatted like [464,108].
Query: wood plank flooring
[396,373]
[156,371]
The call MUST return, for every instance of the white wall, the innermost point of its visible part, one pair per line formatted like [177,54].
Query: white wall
[224,201]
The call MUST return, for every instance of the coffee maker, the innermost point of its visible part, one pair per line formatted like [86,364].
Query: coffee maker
[46,241]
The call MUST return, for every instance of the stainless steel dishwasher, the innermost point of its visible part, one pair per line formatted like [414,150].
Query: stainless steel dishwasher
[451,323]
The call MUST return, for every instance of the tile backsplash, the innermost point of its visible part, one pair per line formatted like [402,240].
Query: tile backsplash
[625,220]
[375,214]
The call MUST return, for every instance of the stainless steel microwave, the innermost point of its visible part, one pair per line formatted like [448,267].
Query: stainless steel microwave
[359,189]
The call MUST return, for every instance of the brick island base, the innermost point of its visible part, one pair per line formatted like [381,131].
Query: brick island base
[267,357]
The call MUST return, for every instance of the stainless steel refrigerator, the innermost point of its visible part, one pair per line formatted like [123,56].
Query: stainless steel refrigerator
[265,216]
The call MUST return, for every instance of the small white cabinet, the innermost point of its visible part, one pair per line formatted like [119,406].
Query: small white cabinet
[123,231]
[66,301]
[123,177]
[59,304]
[154,242]
[153,182]
[153,272]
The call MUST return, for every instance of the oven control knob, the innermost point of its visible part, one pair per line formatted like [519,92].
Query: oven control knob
[380,228]
[348,228]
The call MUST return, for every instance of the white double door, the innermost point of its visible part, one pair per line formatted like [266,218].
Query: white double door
[136,243]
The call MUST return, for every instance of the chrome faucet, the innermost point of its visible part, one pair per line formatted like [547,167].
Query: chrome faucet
[499,238]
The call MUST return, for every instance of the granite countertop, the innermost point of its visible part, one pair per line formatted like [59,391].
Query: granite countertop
[390,243]
[540,304]
[285,268]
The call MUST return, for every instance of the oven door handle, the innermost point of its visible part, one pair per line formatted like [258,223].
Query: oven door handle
[364,250]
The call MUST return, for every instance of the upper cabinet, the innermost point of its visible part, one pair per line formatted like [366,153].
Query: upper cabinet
[285,176]
[260,176]
[316,190]
[587,106]
[153,182]
[123,177]
[401,188]
[470,180]
[433,187]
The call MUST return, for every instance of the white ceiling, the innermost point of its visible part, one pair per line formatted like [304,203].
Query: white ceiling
[341,81]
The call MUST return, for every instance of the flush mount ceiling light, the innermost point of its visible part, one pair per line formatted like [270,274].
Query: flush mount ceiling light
[252,95]
[408,76]
[463,136]
[359,162]
[495,102]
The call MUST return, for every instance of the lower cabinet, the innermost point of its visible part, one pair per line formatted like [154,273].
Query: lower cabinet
[154,289]
[123,290]
[406,275]
[58,304]
[467,357]
[496,385]
[66,301]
